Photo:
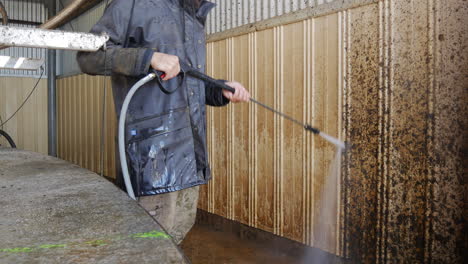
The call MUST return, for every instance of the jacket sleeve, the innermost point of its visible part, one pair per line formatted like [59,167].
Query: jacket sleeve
[115,59]
[214,95]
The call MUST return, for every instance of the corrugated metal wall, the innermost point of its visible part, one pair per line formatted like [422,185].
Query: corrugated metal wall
[26,10]
[230,14]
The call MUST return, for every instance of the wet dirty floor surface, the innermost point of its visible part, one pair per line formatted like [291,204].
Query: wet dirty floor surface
[206,245]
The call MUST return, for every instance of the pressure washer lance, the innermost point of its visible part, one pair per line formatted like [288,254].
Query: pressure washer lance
[187,70]
[199,75]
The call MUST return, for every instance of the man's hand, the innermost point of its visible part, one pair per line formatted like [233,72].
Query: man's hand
[169,64]
[241,94]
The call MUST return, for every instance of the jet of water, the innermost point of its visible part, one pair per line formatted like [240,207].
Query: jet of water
[340,144]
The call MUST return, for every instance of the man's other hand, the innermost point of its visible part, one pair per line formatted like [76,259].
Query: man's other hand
[241,94]
[169,64]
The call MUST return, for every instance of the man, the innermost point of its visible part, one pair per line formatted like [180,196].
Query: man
[166,133]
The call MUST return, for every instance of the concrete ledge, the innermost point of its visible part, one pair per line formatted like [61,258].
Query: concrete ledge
[56,212]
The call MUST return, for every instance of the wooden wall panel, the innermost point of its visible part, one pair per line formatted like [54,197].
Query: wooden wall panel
[79,114]
[220,150]
[29,127]
[326,116]
[241,134]
[275,171]
[389,77]
[291,94]
[265,194]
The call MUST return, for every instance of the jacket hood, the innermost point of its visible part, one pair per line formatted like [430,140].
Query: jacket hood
[196,8]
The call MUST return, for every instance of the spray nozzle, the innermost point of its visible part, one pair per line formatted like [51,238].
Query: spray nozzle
[312,129]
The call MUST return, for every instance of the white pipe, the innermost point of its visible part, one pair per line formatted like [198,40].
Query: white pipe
[123,113]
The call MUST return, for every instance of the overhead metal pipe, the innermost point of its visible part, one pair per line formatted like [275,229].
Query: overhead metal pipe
[4,14]
[57,20]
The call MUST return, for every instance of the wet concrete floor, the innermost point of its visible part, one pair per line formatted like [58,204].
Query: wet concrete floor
[206,245]
[55,212]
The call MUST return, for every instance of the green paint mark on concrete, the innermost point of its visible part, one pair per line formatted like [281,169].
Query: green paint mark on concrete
[95,243]
[17,250]
[152,234]
[52,246]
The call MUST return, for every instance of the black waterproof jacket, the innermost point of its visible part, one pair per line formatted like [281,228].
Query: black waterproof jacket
[166,133]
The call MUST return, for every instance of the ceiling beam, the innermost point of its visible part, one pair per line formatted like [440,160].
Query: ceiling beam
[68,14]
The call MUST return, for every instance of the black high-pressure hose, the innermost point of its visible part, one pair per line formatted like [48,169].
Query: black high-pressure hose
[8,138]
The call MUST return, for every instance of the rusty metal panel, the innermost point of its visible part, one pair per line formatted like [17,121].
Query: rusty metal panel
[448,123]
[362,119]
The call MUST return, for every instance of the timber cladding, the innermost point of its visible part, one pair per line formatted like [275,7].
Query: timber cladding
[386,76]
[28,128]
[79,117]
[267,172]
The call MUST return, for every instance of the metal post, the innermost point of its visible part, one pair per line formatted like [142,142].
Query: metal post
[51,92]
